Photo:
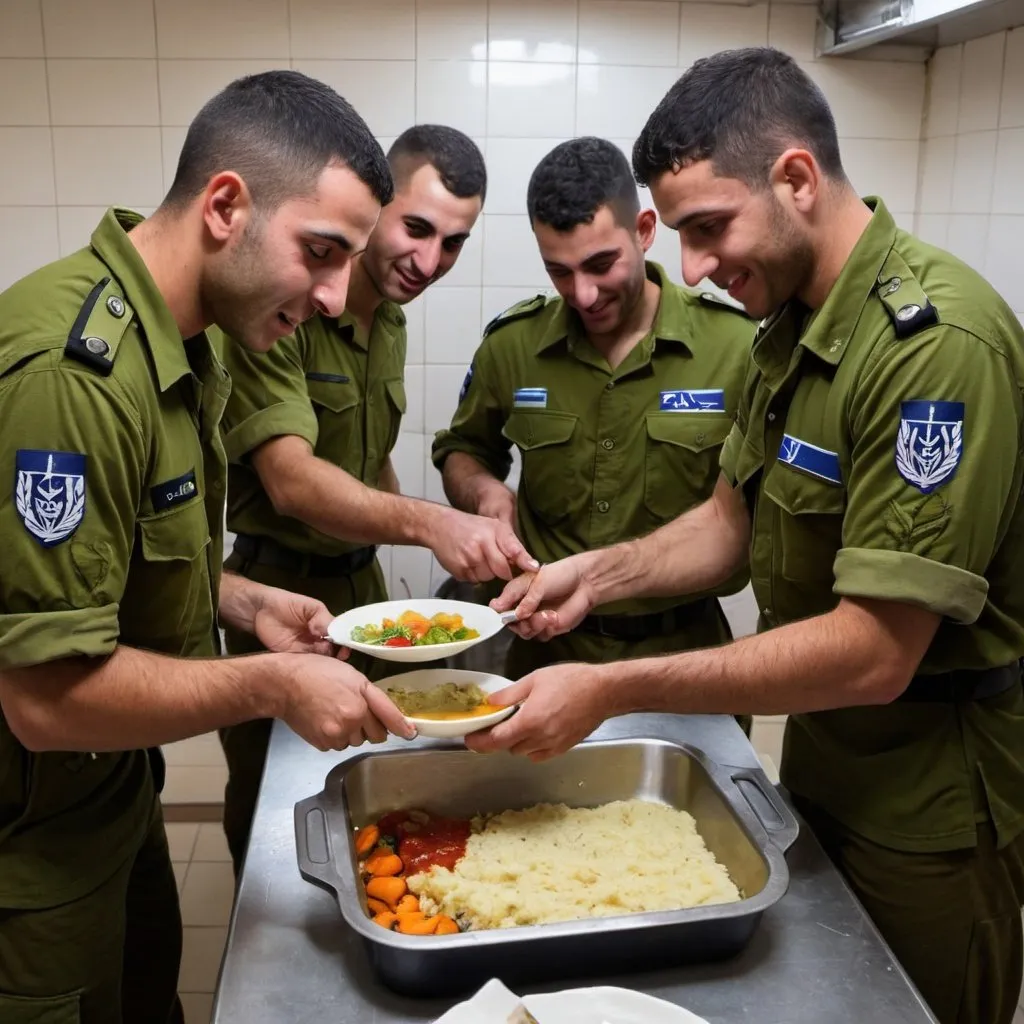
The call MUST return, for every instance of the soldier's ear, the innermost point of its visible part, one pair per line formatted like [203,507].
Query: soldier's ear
[796,179]
[227,206]
[646,227]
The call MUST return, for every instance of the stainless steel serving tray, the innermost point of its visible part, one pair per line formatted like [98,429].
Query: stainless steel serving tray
[743,820]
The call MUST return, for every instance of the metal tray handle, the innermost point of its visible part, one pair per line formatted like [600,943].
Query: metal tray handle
[313,846]
[768,806]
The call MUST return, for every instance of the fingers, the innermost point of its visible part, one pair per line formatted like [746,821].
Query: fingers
[512,694]
[319,621]
[389,716]
[515,554]
[513,593]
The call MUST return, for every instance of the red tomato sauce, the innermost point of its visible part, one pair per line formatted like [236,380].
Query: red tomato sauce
[440,841]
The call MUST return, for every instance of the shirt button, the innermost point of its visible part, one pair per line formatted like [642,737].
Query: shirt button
[609,385]
[766,611]
[217,486]
[608,443]
[771,417]
[371,453]
[603,506]
[700,437]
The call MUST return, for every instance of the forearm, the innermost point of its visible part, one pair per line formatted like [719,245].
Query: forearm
[471,486]
[332,501]
[388,478]
[137,698]
[846,658]
[696,553]
[240,600]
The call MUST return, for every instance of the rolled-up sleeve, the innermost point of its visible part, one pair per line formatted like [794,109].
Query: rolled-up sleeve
[935,473]
[72,462]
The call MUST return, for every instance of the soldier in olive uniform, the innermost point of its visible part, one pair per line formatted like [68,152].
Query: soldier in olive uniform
[310,427]
[874,479]
[110,397]
[618,395]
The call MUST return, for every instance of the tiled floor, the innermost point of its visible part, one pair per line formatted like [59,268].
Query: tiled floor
[202,866]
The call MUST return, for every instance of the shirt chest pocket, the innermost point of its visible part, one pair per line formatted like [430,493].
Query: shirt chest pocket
[175,577]
[551,475]
[335,400]
[809,528]
[681,460]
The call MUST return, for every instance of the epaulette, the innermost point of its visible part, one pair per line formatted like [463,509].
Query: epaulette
[904,298]
[99,327]
[528,307]
[716,302]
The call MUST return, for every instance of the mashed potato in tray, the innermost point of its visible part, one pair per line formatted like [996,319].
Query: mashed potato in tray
[555,863]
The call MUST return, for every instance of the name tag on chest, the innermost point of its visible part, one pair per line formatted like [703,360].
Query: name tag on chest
[530,398]
[174,492]
[819,462]
[702,400]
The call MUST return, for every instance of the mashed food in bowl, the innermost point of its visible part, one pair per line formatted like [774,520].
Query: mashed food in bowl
[442,703]
[551,863]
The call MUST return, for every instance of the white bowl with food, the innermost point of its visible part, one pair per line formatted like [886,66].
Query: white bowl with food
[447,703]
[415,630]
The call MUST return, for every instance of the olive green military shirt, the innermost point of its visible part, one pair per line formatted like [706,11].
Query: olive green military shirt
[878,443]
[110,525]
[328,383]
[606,454]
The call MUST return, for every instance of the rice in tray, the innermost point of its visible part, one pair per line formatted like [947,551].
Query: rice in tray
[551,862]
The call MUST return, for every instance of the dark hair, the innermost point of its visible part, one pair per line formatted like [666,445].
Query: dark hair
[576,179]
[455,156]
[278,130]
[740,109]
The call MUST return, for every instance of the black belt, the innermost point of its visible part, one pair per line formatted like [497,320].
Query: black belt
[265,551]
[962,685]
[638,627]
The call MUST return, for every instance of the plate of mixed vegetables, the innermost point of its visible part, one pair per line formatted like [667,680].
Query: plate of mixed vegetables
[414,630]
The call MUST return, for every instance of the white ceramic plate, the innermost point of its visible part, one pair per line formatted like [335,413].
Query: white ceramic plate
[484,620]
[606,1005]
[425,678]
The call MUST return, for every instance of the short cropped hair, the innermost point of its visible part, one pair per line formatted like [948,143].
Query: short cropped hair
[455,156]
[278,130]
[740,109]
[576,179]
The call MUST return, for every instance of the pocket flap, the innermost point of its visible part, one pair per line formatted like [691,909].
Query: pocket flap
[531,430]
[396,392]
[336,395]
[799,493]
[695,431]
[40,1009]
[179,533]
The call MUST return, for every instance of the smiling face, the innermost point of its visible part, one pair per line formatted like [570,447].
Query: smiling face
[598,268]
[419,236]
[749,243]
[277,268]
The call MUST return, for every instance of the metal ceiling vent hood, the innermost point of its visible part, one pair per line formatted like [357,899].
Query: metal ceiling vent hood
[846,26]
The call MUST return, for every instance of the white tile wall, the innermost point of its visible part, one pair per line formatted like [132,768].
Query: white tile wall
[95,97]
[969,200]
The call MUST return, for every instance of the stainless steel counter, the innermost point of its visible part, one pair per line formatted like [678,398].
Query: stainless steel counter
[815,958]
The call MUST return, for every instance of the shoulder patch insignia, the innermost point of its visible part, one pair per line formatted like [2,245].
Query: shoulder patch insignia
[716,302]
[930,443]
[50,493]
[528,307]
[99,327]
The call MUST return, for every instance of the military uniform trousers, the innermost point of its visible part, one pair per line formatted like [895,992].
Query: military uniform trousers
[111,957]
[952,918]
